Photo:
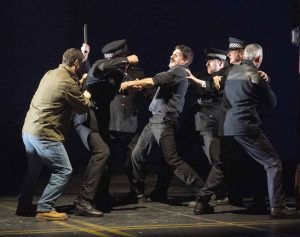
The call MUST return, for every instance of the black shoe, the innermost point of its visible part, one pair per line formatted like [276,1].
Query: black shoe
[28,210]
[202,207]
[283,213]
[86,209]
[156,196]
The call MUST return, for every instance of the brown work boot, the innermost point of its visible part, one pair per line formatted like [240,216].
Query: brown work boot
[51,216]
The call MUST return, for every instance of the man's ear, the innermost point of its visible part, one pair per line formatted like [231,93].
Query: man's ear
[186,61]
[257,59]
[76,62]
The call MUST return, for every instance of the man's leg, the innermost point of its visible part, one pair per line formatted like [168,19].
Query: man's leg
[139,158]
[99,154]
[211,148]
[260,149]
[214,179]
[234,168]
[34,167]
[56,158]
[179,167]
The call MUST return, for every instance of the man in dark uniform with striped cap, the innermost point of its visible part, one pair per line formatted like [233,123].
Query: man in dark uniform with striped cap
[103,82]
[235,50]
[207,117]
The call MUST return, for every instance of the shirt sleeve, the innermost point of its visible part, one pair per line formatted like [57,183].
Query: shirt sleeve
[76,99]
[171,77]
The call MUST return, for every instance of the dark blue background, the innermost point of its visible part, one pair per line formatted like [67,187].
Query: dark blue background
[35,33]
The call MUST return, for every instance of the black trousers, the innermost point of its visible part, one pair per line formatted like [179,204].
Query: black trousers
[99,155]
[161,130]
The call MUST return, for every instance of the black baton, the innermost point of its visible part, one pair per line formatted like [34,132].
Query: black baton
[85,38]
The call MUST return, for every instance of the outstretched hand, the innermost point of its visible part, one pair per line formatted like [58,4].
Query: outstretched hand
[217,81]
[263,75]
[190,75]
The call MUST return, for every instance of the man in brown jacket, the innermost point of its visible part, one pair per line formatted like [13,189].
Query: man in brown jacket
[47,119]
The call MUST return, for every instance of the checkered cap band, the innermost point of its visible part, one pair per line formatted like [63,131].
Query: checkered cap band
[236,46]
[216,55]
[113,54]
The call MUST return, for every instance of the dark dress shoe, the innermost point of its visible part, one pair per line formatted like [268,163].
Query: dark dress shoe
[202,207]
[283,213]
[86,209]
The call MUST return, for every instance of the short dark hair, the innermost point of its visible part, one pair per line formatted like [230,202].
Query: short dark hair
[187,53]
[71,55]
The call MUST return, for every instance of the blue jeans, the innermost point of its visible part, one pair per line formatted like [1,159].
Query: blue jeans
[42,152]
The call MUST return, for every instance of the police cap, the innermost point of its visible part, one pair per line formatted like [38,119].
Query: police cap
[235,43]
[212,53]
[114,48]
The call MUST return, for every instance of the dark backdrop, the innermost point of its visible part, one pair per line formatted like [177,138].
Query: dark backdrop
[35,33]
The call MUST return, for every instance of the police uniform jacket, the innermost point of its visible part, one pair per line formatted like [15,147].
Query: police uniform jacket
[103,82]
[104,79]
[123,108]
[245,94]
[208,105]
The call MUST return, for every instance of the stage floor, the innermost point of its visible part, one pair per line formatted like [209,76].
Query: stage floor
[147,219]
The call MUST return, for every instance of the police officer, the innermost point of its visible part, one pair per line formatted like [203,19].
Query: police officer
[103,82]
[127,119]
[235,50]
[245,93]
[243,167]
[208,110]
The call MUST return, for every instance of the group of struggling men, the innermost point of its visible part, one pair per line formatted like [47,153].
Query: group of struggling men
[107,106]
